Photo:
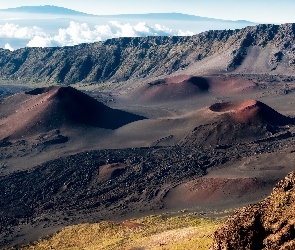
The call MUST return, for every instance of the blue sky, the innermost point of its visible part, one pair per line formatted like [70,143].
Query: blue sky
[261,11]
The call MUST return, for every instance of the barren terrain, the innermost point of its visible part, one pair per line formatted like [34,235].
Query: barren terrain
[200,152]
[201,138]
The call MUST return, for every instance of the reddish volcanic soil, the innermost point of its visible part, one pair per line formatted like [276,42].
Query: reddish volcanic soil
[231,85]
[237,122]
[187,86]
[218,191]
[174,88]
[109,171]
[248,111]
[252,111]
[44,109]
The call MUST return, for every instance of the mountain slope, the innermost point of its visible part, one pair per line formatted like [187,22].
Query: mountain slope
[44,109]
[106,184]
[267,225]
[258,49]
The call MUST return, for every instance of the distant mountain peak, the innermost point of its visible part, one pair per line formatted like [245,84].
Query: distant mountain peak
[177,16]
[45,9]
[56,10]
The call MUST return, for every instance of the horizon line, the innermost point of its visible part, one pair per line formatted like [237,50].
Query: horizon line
[98,15]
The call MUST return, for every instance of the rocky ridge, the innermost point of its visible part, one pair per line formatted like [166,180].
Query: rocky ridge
[134,58]
[269,224]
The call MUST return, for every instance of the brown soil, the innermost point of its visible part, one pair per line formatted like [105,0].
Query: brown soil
[174,88]
[251,111]
[231,85]
[222,191]
[131,224]
[188,86]
[267,225]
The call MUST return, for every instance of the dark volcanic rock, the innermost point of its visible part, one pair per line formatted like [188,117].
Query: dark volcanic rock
[107,184]
[269,224]
[131,58]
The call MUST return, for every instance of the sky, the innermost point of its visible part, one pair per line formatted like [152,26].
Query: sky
[260,11]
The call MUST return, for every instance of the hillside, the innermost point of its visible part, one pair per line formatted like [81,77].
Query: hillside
[45,109]
[257,49]
[153,232]
[110,184]
[241,121]
[266,225]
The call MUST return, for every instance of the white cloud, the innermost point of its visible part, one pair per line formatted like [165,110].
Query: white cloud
[184,33]
[121,30]
[77,33]
[10,30]
[142,27]
[8,46]
[104,31]
[39,41]
[163,29]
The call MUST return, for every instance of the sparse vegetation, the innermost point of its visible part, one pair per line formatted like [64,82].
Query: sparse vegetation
[152,232]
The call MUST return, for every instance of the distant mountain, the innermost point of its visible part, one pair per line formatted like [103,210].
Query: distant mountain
[45,9]
[50,9]
[176,16]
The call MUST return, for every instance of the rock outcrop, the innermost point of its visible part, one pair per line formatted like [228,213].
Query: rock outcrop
[269,224]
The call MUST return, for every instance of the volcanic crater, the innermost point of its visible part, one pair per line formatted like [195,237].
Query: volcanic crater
[45,109]
[178,123]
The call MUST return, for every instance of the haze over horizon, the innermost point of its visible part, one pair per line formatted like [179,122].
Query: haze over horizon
[262,11]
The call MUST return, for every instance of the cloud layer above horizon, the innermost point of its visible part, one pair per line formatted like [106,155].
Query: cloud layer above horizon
[77,33]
